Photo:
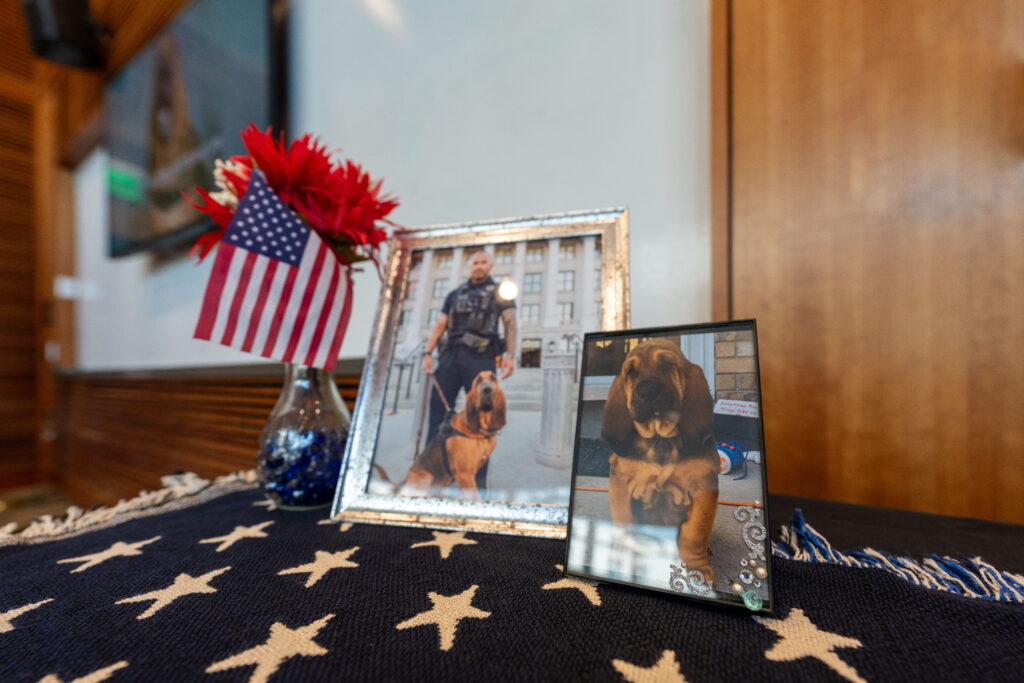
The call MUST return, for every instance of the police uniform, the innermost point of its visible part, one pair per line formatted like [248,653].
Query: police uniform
[472,345]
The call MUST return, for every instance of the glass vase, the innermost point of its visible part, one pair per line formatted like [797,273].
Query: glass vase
[303,443]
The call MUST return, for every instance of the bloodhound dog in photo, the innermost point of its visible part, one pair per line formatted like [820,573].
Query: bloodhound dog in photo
[664,464]
[460,448]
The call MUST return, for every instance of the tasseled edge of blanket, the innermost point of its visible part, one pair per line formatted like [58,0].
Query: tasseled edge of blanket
[969,577]
[179,490]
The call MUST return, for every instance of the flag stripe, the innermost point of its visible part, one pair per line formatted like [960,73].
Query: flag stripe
[282,307]
[214,287]
[307,296]
[236,301]
[284,271]
[252,291]
[293,304]
[339,330]
[316,305]
[257,307]
[325,313]
[337,307]
[224,308]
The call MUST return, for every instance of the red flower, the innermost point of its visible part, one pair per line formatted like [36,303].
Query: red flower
[338,201]
[220,214]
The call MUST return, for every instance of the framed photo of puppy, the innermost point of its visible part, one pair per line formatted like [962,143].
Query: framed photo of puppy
[669,483]
[466,412]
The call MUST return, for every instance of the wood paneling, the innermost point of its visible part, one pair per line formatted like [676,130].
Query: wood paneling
[878,238]
[120,434]
[63,126]
[720,160]
[132,24]
[17,247]
[14,44]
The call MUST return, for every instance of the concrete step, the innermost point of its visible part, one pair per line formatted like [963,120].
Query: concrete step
[519,404]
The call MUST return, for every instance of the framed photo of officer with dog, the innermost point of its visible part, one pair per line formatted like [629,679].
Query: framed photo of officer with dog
[466,411]
[669,484]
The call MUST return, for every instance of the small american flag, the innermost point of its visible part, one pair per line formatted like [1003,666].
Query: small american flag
[276,289]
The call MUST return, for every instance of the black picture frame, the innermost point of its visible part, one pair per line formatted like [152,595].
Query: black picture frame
[625,508]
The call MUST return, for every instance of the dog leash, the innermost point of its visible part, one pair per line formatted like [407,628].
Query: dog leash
[440,393]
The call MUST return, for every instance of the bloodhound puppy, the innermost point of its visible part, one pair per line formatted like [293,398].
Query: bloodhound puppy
[664,464]
[457,453]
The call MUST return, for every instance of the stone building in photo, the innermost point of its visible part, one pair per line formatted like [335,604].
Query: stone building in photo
[559,282]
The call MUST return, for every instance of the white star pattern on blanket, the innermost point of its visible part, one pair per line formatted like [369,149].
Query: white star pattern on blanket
[588,588]
[257,621]
[665,670]
[323,563]
[446,542]
[240,532]
[119,549]
[95,677]
[446,614]
[183,585]
[283,644]
[801,638]
[6,618]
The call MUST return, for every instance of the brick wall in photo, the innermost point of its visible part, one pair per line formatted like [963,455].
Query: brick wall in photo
[735,366]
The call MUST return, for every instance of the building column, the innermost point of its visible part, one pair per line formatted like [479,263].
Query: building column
[557,426]
[421,301]
[518,272]
[519,266]
[585,303]
[456,271]
[549,285]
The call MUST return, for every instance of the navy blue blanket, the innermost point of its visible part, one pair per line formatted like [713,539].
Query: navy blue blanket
[228,590]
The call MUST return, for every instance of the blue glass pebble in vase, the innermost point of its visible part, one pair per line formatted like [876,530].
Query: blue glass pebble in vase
[303,443]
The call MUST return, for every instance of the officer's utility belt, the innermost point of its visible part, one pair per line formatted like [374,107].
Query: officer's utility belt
[473,341]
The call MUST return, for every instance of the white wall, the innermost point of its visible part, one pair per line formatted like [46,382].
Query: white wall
[137,313]
[470,110]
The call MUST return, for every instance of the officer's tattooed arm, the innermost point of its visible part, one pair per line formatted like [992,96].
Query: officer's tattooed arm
[508,317]
[508,363]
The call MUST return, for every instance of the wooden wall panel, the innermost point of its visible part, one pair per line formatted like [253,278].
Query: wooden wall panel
[36,221]
[878,238]
[120,434]
[14,45]
[132,25]
[17,249]
[720,160]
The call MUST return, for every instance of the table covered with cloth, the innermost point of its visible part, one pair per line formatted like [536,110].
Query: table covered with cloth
[204,581]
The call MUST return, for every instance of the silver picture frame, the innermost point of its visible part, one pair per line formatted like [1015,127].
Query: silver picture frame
[356,499]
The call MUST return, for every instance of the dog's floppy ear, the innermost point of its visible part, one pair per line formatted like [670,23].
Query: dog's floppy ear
[496,420]
[473,410]
[616,423]
[696,421]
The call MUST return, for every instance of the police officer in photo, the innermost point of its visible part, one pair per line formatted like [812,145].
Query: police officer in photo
[470,317]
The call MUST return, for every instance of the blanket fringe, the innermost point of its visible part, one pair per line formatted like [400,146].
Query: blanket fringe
[179,490]
[970,577]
